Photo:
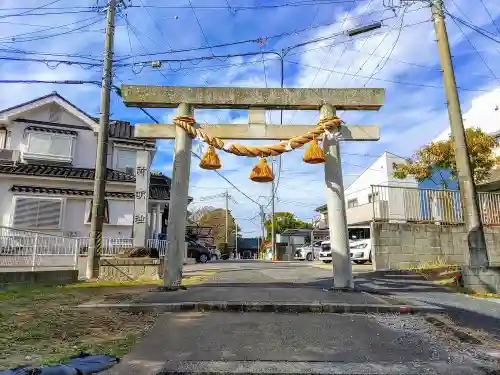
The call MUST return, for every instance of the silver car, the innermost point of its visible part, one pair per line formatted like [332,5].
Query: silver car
[308,252]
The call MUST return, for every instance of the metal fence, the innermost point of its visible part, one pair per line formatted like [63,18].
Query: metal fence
[27,249]
[397,203]
[21,249]
[489,204]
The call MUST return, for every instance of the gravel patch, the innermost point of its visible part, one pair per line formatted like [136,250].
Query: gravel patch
[458,352]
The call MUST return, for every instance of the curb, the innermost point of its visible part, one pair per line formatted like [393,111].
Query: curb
[283,307]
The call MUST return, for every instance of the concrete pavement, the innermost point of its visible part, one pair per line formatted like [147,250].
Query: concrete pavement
[476,314]
[195,342]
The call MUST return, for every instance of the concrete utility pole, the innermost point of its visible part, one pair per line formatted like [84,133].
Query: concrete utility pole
[236,238]
[478,254]
[101,164]
[273,229]
[227,217]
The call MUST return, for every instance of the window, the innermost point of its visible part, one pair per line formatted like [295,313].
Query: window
[373,197]
[53,145]
[106,212]
[37,213]
[352,203]
[125,161]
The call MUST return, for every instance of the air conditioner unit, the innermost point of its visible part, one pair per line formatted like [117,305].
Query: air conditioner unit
[9,155]
[130,170]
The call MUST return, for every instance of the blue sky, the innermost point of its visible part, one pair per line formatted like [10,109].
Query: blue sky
[403,60]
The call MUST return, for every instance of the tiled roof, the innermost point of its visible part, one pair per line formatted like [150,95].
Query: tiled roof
[70,192]
[123,130]
[50,130]
[159,184]
[62,172]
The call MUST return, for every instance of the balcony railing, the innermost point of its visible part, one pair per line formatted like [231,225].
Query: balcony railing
[396,203]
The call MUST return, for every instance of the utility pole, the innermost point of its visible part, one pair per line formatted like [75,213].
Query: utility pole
[227,217]
[95,244]
[478,255]
[263,228]
[236,238]
[273,232]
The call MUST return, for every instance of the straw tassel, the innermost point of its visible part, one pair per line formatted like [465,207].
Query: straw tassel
[210,160]
[262,172]
[314,154]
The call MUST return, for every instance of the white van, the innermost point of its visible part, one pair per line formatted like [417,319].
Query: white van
[360,246]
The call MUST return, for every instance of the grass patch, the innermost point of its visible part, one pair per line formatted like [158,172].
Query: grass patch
[40,325]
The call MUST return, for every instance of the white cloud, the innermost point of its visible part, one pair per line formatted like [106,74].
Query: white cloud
[484,113]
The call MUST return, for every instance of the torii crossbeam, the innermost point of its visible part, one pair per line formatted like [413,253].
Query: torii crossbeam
[256,100]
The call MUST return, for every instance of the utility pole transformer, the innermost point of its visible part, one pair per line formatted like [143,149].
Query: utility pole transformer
[101,167]
[478,255]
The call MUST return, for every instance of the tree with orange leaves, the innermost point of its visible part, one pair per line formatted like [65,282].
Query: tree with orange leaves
[441,156]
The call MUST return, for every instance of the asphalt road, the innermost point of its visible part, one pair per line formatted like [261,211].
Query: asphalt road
[262,342]
[56,262]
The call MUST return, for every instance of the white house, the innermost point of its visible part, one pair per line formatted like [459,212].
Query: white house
[375,193]
[47,160]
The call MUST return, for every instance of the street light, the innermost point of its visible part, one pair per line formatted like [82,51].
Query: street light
[363,29]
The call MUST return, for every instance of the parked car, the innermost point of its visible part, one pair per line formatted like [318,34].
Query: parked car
[215,254]
[361,251]
[198,252]
[308,252]
[325,255]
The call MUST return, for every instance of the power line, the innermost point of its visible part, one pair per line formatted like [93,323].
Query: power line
[474,48]
[254,40]
[328,54]
[208,7]
[390,52]
[473,27]
[29,10]
[15,38]
[489,15]
[386,80]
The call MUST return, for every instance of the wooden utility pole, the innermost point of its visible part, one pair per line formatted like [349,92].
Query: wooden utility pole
[478,254]
[256,100]
[101,167]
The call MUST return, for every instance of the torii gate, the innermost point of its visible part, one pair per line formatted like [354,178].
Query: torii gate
[256,100]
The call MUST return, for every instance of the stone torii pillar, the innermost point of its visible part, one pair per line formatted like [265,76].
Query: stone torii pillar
[256,100]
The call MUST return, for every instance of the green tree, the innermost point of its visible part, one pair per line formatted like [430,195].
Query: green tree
[284,221]
[216,218]
[441,156]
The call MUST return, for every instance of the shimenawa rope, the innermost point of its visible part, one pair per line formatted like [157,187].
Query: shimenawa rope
[327,124]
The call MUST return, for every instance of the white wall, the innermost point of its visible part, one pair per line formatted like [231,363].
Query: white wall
[375,174]
[85,146]
[5,202]
[379,173]
[76,208]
